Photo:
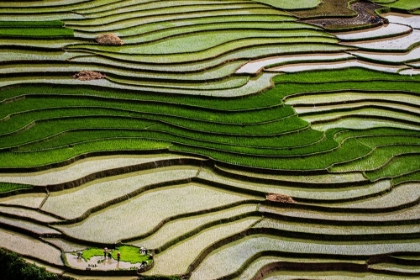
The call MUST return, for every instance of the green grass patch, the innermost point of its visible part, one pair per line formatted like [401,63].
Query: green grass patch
[404,5]
[9,187]
[128,254]
[399,165]
[412,177]
[35,32]
[13,159]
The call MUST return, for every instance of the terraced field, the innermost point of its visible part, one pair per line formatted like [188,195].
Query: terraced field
[232,139]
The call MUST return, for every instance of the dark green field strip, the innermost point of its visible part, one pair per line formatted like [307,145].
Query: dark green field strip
[57,156]
[343,75]
[35,32]
[410,177]
[271,128]
[30,129]
[397,166]
[284,142]
[387,133]
[396,111]
[153,108]
[350,150]
[252,102]
[379,158]
[384,140]
[13,188]
[289,143]
[76,136]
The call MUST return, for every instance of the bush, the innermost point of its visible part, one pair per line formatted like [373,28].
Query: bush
[14,267]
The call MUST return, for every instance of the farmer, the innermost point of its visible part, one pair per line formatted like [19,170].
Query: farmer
[105,250]
[79,255]
[118,256]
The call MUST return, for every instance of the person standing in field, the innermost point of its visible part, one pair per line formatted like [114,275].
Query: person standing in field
[118,256]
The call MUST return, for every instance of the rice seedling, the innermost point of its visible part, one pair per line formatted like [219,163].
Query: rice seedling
[410,177]
[397,166]
[6,187]
[66,153]
[129,254]
[404,5]
[43,32]
[379,157]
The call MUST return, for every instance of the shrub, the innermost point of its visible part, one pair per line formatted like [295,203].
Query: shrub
[14,267]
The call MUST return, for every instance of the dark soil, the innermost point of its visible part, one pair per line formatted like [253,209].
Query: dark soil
[109,40]
[365,17]
[281,198]
[88,75]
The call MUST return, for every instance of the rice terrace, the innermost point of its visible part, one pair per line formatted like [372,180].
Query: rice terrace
[211,139]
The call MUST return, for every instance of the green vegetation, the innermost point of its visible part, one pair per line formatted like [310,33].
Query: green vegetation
[176,150]
[128,254]
[34,29]
[404,5]
[14,267]
[9,187]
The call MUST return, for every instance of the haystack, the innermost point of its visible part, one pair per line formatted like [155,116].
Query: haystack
[109,40]
[282,198]
[88,75]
